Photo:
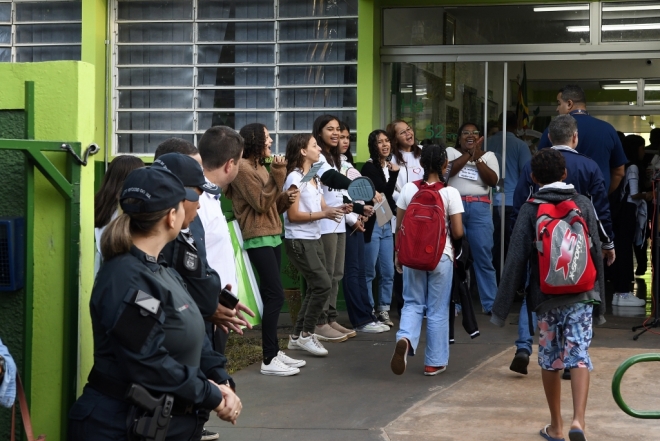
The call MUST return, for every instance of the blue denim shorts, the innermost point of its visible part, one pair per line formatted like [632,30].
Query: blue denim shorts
[564,337]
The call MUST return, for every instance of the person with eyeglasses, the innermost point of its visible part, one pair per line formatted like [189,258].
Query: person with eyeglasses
[406,153]
[473,172]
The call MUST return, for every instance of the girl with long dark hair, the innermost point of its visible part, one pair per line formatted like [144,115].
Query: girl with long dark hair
[379,242]
[106,200]
[257,201]
[326,132]
[302,239]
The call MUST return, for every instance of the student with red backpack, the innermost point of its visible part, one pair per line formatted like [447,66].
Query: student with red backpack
[425,256]
[556,233]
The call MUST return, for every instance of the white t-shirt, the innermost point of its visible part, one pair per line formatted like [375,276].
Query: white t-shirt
[632,180]
[468,181]
[309,202]
[453,205]
[219,250]
[333,198]
[413,171]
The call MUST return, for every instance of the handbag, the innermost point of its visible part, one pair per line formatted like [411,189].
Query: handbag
[25,414]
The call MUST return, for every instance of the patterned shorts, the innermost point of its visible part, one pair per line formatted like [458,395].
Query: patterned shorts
[564,337]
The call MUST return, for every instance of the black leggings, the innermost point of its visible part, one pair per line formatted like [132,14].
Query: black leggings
[267,262]
[622,273]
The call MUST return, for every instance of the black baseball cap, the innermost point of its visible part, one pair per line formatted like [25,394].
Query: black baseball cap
[155,188]
[186,169]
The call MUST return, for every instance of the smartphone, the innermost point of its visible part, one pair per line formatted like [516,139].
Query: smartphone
[228,299]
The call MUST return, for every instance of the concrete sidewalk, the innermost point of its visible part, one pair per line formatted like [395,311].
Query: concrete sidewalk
[353,395]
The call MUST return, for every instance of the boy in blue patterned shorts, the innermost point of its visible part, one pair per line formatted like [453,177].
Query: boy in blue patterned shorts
[565,321]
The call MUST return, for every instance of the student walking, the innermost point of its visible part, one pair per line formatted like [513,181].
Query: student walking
[428,292]
[564,320]
[302,239]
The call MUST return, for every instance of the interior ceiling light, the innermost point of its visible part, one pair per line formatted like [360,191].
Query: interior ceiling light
[562,8]
[643,117]
[630,8]
[652,124]
[628,81]
[631,27]
[618,27]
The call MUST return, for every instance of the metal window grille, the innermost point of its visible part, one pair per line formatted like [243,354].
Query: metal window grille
[33,31]
[182,66]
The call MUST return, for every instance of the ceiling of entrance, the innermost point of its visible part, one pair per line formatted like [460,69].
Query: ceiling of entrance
[631,123]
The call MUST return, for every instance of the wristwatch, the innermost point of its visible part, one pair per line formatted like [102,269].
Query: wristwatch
[479,161]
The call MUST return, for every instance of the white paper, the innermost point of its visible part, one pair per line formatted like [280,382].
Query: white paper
[469,172]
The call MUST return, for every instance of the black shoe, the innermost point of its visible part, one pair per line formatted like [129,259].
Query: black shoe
[566,375]
[207,435]
[520,362]
[640,271]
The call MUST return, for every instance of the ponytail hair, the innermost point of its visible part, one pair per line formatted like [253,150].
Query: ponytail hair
[432,159]
[118,236]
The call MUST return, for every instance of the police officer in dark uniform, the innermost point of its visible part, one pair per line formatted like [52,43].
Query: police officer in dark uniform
[147,329]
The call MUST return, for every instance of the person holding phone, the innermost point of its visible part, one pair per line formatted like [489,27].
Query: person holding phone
[379,241]
[258,199]
[473,172]
[302,239]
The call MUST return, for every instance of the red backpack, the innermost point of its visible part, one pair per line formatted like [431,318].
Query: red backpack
[423,232]
[564,248]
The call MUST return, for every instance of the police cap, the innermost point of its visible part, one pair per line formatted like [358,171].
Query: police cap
[186,169]
[155,188]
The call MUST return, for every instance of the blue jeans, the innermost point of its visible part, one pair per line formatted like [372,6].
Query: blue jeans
[379,252]
[354,282]
[525,340]
[428,291]
[478,230]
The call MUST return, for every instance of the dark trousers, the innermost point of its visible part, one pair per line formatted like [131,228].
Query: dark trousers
[621,271]
[355,282]
[497,236]
[101,418]
[220,338]
[308,257]
[267,261]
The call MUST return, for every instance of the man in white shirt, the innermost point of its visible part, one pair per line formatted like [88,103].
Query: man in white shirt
[221,148]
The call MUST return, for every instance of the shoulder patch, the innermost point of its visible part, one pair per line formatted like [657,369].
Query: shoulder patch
[147,302]
[190,261]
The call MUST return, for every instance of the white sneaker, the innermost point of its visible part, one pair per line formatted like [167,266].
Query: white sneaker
[372,328]
[312,345]
[290,361]
[383,326]
[627,299]
[293,344]
[277,368]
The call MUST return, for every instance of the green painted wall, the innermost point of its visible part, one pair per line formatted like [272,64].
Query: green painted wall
[64,110]
[12,203]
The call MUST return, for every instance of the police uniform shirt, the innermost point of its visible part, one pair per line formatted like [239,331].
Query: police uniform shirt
[149,331]
[186,255]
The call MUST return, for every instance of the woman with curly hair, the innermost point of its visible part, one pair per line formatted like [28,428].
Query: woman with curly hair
[379,247]
[258,200]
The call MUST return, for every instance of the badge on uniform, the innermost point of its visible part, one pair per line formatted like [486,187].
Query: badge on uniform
[190,261]
[147,302]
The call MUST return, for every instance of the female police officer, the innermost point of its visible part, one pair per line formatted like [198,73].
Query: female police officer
[147,329]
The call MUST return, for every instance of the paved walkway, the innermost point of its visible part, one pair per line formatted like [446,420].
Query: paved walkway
[353,395]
